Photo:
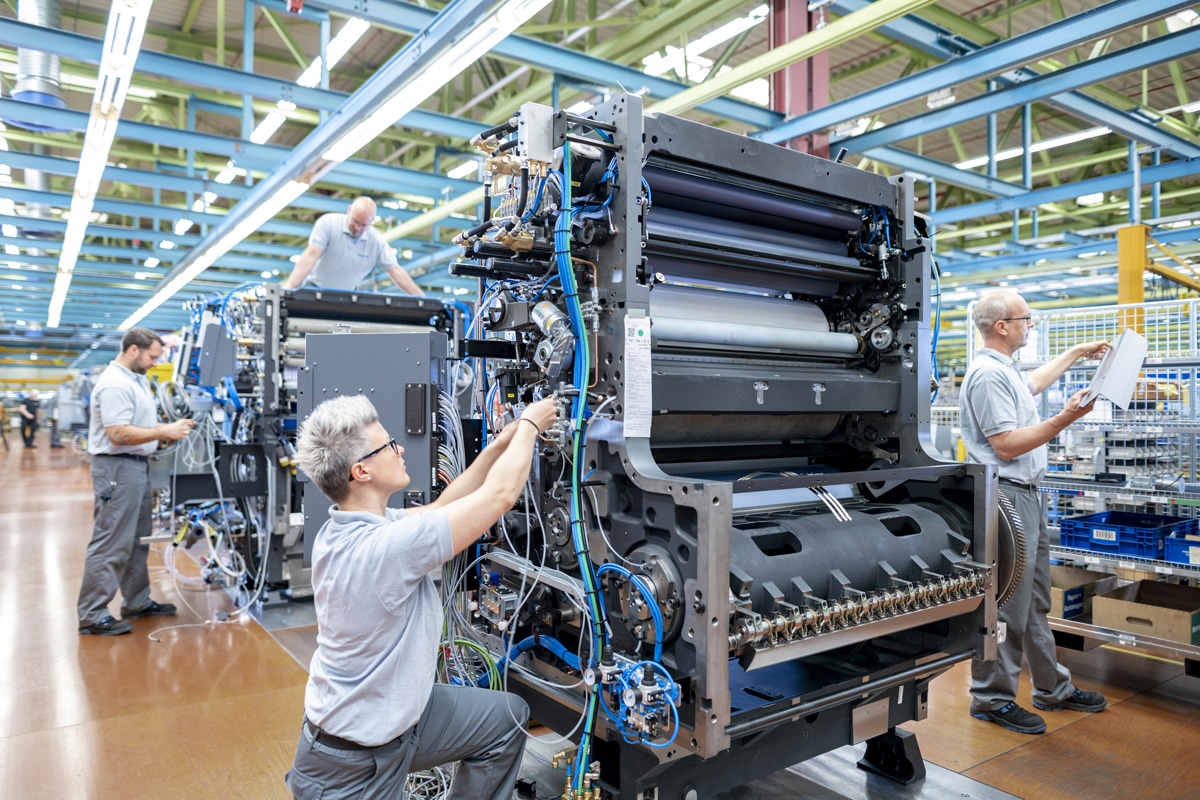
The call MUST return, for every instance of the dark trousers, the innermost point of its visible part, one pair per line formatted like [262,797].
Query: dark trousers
[116,558]
[28,429]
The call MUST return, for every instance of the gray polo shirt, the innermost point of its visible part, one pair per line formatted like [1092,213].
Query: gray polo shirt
[995,398]
[121,397]
[379,622]
[344,260]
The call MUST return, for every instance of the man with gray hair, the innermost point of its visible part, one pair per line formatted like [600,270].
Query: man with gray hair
[372,710]
[1001,425]
[123,434]
[344,248]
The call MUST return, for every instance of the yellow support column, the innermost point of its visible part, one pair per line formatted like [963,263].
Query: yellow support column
[1132,261]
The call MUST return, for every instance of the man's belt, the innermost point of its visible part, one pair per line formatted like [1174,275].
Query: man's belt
[329,740]
[133,456]
[1018,484]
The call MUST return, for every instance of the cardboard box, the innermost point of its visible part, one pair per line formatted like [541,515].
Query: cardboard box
[1148,608]
[1072,589]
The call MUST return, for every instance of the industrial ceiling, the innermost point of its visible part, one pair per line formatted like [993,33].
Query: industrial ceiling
[1101,96]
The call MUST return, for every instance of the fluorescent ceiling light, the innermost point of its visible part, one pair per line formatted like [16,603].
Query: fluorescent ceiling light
[464,170]
[1184,19]
[1093,199]
[338,46]
[436,73]
[183,225]
[282,198]
[682,60]
[1037,147]
[852,128]
[690,64]
[151,262]
[266,129]
[226,175]
[122,41]
[167,244]
[940,99]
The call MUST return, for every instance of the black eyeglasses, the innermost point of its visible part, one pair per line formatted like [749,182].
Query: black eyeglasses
[392,443]
[1026,320]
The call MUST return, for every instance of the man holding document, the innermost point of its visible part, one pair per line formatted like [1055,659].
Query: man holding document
[1001,425]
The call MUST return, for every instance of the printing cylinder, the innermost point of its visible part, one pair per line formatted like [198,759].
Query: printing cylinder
[810,545]
[743,321]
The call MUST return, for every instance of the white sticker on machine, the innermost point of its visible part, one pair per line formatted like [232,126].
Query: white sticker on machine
[638,398]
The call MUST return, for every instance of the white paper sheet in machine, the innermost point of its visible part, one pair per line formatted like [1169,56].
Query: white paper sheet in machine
[1117,374]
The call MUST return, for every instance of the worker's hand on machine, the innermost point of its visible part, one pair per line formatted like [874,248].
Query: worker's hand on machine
[179,429]
[542,414]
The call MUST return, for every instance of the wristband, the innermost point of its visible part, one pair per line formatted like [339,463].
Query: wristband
[531,422]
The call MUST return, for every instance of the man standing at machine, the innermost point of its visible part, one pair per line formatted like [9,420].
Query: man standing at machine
[344,248]
[29,418]
[124,433]
[1001,425]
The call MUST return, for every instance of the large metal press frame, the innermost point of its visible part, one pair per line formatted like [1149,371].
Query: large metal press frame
[764,464]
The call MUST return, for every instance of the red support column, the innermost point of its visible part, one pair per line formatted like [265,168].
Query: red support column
[804,86]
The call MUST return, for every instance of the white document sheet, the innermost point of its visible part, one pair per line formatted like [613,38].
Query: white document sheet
[1117,374]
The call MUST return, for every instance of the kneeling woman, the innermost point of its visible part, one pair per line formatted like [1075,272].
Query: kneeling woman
[372,710]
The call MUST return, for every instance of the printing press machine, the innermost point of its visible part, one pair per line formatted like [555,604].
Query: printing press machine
[741,551]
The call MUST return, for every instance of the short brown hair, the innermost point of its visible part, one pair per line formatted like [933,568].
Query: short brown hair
[141,337]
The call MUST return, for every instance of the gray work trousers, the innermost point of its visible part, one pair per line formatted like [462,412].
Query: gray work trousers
[994,683]
[115,556]
[468,725]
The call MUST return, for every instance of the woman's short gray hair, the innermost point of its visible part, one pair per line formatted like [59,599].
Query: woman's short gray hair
[991,308]
[332,440]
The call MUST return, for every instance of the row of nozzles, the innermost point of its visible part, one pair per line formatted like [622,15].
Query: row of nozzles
[792,622]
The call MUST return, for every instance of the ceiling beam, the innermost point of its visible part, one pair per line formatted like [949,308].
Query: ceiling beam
[356,173]
[411,18]
[1055,194]
[985,61]
[1067,79]
[945,44]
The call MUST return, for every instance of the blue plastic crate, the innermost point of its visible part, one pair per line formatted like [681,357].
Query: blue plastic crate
[1122,533]
[1182,551]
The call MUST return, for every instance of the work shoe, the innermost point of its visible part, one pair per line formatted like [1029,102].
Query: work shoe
[1090,702]
[152,610]
[1012,716]
[107,627]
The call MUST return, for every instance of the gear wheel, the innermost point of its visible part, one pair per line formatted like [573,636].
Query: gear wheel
[1010,562]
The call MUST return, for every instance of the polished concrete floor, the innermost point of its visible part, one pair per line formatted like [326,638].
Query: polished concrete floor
[190,707]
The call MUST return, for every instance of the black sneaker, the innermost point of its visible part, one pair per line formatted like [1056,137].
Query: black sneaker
[152,610]
[107,627]
[1089,702]
[1012,716]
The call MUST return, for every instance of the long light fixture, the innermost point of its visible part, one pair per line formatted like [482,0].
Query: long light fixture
[122,41]
[1037,147]
[263,213]
[350,33]
[338,46]
[435,74]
